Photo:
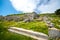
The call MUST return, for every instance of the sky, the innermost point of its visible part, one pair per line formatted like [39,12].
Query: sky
[18,6]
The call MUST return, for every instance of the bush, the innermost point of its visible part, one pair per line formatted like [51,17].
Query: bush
[57,12]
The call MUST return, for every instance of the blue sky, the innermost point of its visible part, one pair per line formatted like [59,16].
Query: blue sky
[18,6]
[6,7]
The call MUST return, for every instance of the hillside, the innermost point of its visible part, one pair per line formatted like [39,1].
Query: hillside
[31,21]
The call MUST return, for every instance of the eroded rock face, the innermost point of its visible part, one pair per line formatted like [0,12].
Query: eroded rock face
[12,18]
[2,18]
[53,33]
[30,16]
[27,17]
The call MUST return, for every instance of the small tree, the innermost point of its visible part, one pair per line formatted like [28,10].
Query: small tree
[57,12]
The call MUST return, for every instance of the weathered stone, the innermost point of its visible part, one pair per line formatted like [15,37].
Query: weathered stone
[1,18]
[30,16]
[27,17]
[54,33]
[50,25]
[12,18]
[45,18]
[26,20]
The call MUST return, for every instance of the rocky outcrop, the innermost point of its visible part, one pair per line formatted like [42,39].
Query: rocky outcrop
[54,33]
[2,18]
[30,16]
[12,18]
[26,17]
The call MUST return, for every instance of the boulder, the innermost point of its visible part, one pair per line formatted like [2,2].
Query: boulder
[31,16]
[54,33]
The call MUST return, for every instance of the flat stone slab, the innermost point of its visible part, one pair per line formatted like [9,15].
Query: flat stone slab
[30,33]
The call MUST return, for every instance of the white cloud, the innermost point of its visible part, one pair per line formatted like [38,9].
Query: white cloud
[24,5]
[31,5]
[50,7]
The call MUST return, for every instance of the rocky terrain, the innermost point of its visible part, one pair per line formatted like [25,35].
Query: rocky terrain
[29,21]
[25,17]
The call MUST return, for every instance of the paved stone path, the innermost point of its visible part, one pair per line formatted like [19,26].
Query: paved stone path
[30,33]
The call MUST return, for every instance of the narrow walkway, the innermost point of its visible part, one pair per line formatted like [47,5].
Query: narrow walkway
[30,33]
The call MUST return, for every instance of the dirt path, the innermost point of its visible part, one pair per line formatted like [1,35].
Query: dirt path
[30,33]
